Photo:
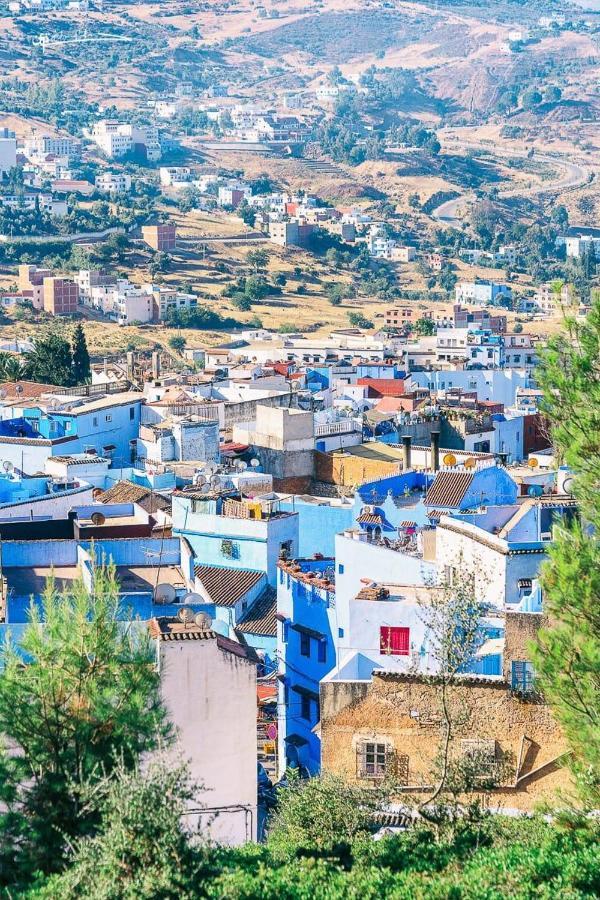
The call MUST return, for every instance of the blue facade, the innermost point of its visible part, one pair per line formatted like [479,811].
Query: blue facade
[306,640]
[318,525]
[237,543]
[107,431]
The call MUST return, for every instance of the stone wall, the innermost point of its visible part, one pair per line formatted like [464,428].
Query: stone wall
[348,470]
[404,712]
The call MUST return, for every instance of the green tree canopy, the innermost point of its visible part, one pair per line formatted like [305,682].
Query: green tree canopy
[85,701]
[567,658]
[51,360]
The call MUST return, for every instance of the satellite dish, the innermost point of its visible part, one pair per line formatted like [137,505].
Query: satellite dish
[209,468]
[469,463]
[7,465]
[536,490]
[2,394]
[199,479]
[242,466]
[185,615]
[568,486]
[203,620]
[18,389]
[192,599]
[215,481]
[533,463]
[449,459]
[255,463]
[98,518]
[164,593]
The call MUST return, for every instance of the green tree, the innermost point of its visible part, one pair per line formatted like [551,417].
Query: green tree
[82,372]
[85,701]
[177,342]
[257,259]
[321,815]
[531,98]
[359,320]
[142,849]
[425,326]
[50,361]
[246,213]
[11,367]
[567,656]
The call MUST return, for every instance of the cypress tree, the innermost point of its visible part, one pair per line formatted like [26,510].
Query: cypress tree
[81,358]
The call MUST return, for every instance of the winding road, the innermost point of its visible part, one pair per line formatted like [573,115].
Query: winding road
[573,174]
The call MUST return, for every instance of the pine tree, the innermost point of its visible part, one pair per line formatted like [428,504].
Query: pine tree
[81,358]
[567,657]
[85,703]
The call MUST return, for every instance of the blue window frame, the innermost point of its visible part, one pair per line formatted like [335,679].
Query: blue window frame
[340,569]
[322,651]
[522,675]
[304,644]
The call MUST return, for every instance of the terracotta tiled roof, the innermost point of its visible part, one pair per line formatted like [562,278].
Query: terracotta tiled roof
[226,586]
[435,514]
[168,628]
[383,387]
[28,389]
[124,492]
[261,617]
[369,519]
[448,489]
[79,460]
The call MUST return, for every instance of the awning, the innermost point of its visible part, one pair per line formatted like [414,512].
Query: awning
[295,740]
[302,629]
[305,692]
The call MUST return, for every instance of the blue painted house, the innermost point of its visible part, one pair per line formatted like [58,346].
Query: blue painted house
[306,639]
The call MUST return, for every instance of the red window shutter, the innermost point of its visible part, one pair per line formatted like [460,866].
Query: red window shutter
[394,641]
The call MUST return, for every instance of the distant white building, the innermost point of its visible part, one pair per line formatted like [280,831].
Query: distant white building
[480,292]
[8,151]
[46,145]
[113,182]
[577,247]
[175,176]
[116,139]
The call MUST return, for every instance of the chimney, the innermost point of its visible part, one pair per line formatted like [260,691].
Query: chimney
[105,361]
[406,442]
[156,365]
[130,359]
[435,450]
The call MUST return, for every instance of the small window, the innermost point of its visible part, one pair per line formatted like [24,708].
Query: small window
[304,644]
[340,632]
[522,676]
[305,707]
[340,569]
[373,760]
[131,413]
[285,631]
[95,421]
[394,641]
[322,651]
[108,418]
[230,549]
